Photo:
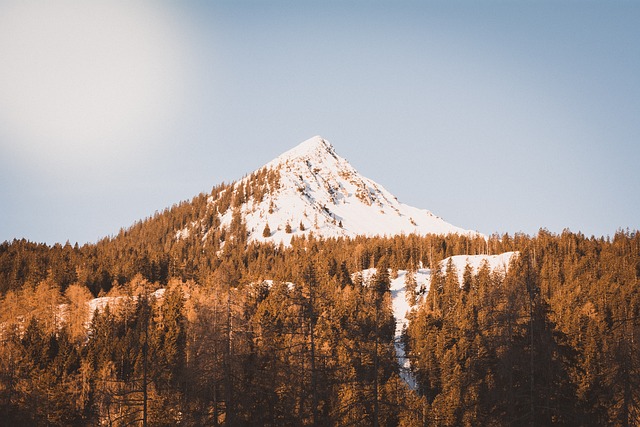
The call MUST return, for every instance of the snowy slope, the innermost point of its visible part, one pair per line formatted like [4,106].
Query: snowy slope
[330,198]
[401,307]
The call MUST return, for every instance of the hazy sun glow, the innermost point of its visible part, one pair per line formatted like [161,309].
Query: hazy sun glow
[85,77]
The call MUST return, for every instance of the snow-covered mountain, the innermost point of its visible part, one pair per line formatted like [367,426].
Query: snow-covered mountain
[310,188]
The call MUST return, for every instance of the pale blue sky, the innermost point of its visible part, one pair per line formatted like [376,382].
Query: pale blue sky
[498,116]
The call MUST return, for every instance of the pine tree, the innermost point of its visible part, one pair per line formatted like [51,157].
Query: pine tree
[410,286]
[78,311]
[172,338]
[381,280]
[467,278]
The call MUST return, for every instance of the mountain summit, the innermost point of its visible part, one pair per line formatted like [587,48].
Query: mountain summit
[310,188]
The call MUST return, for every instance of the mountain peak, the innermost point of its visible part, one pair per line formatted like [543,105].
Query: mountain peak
[313,148]
[311,189]
[318,191]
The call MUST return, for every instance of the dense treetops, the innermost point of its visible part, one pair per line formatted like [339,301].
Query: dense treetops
[554,341]
[257,334]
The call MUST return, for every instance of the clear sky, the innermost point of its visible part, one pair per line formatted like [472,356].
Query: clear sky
[499,116]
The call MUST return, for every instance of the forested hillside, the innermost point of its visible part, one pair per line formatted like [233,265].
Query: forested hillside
[258,334]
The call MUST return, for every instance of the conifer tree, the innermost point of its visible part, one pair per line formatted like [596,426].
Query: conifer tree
[410,286]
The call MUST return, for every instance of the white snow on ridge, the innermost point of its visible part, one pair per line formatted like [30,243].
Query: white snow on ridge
[330,198]
[496,262]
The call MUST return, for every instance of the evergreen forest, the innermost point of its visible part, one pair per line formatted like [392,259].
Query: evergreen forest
[226,332]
